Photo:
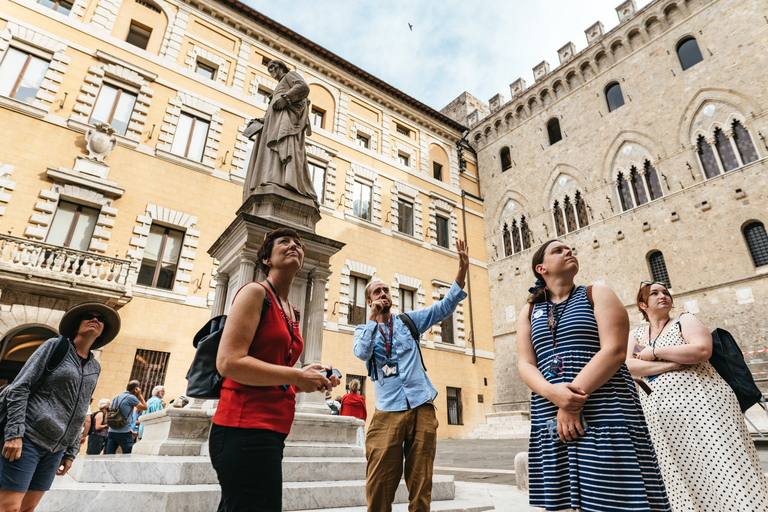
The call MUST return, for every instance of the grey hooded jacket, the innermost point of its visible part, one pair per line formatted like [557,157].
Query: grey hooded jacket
[53,413]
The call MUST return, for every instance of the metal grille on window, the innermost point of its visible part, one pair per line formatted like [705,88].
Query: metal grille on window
[361,378]
[581,210]
[743,143]
[453,397]
[707,157]
[559,222]
[149,369]
[570,214]
[507,239]
[652,181]
[757,241]
[725,150]
[659,268]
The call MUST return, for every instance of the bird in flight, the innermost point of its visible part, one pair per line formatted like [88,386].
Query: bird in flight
[410,27]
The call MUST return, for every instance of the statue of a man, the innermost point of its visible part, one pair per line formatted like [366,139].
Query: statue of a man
[279,156]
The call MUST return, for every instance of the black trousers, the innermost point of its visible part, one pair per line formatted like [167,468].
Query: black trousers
[249,464]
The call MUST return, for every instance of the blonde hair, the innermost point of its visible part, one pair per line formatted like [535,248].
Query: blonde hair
[354,386]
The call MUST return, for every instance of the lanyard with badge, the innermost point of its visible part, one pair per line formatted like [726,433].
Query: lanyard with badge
[390,368]
[553,320]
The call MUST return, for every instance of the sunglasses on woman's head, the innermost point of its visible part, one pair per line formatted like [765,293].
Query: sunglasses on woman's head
[91,316]
[649,283]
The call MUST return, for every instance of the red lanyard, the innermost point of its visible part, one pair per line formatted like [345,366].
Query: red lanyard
[387,341]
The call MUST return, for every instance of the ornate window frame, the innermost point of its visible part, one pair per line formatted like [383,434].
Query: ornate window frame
[409,283]
[399,147]
[6,185]
[197,53]
[358,172]
[402,190]
[323,157]
[191,105]
[351,267]
[368,132]
[441,205]
[441,289]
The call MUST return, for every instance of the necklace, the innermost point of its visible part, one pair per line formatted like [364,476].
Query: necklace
[650,328]
[288,324]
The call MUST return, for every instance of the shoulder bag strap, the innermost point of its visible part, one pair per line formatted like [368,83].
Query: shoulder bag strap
[415,334]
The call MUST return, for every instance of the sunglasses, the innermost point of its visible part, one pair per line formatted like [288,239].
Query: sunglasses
[649,283]
[91,316]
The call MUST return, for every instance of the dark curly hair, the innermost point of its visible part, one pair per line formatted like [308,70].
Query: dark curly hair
[265,250]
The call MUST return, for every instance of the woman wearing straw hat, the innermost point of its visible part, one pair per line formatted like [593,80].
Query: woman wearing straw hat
[47,405]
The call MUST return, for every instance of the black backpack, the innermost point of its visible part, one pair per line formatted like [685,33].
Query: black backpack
[203,379]
[729,363]
[371,364]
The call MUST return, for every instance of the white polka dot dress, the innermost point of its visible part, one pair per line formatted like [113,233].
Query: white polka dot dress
[705,453]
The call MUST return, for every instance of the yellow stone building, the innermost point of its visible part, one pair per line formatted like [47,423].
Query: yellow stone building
[128,218]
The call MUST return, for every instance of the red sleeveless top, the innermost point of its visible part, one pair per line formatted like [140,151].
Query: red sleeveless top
[263,407]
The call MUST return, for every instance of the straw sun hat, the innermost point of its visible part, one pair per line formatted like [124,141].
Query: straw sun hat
[71,321]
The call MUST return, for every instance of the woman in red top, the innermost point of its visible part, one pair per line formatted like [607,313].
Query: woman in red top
[256,357]
[353,403]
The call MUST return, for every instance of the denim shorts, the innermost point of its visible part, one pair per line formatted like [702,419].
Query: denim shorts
[33,471]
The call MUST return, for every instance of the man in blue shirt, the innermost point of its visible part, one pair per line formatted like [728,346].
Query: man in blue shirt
[404,424]
[123,437]
[154,404]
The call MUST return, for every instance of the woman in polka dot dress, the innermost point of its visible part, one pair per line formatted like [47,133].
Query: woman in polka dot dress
[706,455]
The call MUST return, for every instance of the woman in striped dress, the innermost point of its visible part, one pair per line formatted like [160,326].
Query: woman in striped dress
[589,448]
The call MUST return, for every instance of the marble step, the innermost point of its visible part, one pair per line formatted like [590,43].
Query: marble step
[457,505]
[321,449]
[168,470]
[68,495]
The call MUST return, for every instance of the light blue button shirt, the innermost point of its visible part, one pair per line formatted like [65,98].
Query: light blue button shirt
[411,387]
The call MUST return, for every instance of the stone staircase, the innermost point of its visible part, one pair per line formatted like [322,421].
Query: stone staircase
[503,425]
[323,470]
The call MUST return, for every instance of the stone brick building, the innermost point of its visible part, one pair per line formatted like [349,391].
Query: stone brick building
[644,152]
[178,82]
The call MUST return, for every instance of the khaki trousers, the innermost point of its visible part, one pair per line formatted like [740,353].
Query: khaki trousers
[391,436]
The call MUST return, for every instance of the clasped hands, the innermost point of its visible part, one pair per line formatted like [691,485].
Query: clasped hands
[570,400]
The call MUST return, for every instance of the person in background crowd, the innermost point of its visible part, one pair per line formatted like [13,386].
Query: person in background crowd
[123,436]
[87,425]
[46,410]
[589,447]
[353,403]
[154,404]
[706,454]
[404,424]
[256,357]
[97,439]
[332,403]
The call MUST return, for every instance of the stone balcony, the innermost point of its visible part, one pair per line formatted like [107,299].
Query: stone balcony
[39,268]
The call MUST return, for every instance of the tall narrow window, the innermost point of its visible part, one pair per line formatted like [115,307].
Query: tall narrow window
[361,200]
[744,143]
[149,367]
[505,158]
[72,226]
[553,130]
[688,52]
[613,96]
[659,268]
[525,233]
[189,140]
[161,257]
[114,106]
[652,181]
[453,397]
[362,141]
[570,214]
[725,150]
[581,210]
[625,196]
[442,231]
[638,190]
[507,240]
[317,117]
[757,241]
[21,75]
[406,300]
[357,300]
[317,173]
[446,330]
[515,237]
[559,221]
[263,95]
[61,6]
[138,35]
[205,70]
[437,171]
[405,217]
[707,157]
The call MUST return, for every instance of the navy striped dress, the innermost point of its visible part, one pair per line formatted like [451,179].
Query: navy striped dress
[613,467]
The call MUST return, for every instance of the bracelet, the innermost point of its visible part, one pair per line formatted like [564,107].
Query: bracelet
[654,353]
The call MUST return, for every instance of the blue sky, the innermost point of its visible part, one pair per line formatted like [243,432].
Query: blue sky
[480,46]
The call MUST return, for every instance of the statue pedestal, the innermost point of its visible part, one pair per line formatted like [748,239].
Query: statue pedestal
[175,431]
[283,207]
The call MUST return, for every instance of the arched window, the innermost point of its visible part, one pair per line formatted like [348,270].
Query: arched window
[757,241]
[525,233]
[570,214]
[652,181]
[559,222]
[581,210]
[613,96]
[659,268]
[625,196]
[707,157]
[506,159]
[638,190]
[553,129]
[725,150]
[743,143]
[507,240]
[688,52]
[515,237]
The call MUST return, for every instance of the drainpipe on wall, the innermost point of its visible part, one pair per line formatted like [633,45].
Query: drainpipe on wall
[469,282]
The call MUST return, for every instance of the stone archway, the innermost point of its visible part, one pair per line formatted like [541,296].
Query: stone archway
[18,345]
